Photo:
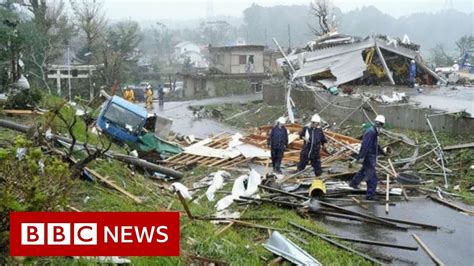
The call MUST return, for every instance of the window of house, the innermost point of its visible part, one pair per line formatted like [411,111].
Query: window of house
[242,59]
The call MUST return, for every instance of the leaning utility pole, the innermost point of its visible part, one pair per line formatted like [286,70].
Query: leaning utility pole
[289,37]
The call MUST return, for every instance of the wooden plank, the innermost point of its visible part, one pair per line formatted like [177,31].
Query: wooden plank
[452,205]
[428,251]
[22,112]
[113,185]
[459,146]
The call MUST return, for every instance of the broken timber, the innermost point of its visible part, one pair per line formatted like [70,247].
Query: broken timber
[204,218]
[106,181]
[370,242]
[327,239]
[428,251]
[329,205]
[451,205]
[459,146]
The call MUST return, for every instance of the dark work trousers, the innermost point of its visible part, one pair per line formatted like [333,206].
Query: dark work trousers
[315,161]
[304,158]
[277,156]
[367,171]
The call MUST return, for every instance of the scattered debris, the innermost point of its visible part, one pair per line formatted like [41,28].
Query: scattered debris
[281,246]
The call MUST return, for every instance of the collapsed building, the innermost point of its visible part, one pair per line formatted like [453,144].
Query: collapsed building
[339,59]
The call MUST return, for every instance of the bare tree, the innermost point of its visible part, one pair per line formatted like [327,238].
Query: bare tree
[46,36]
[465,44]
[38,58]
[91,20]
[100,149]
[323,11]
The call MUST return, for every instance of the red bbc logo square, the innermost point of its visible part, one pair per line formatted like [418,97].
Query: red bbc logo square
[94,234]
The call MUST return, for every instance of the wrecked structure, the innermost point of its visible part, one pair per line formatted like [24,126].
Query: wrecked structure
[339,59]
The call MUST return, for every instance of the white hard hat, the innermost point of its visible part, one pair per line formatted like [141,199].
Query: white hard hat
[316,118]
[413,61]
[281,120]
[380,118]
[148,87]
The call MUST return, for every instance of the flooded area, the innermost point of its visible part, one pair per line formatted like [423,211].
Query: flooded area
[450,98]
[447,98]
[453,243]
[185,123]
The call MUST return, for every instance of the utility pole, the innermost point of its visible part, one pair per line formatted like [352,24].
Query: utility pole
[289,37]
[266,41]
[69,70]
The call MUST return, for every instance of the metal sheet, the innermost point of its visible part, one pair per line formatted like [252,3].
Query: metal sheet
[344,67]
[283,247]
[251,151]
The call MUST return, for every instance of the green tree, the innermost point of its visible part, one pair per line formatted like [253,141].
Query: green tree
[215,32]
[440,57]
[187,65]
[466,44]
[119,53]
[11,44]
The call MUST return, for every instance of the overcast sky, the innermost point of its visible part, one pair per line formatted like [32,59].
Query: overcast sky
[194,9]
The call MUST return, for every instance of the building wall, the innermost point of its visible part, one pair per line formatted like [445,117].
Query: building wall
[188,86]
[270,62]
[274,94]
[237,66]
[230,60]
[398,116]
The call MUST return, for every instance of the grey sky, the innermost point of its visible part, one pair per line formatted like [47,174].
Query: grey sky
[193,9]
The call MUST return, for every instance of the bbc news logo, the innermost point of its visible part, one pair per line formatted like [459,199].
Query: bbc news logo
[94,234]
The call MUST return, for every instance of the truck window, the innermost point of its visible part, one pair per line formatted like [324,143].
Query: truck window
[123,118]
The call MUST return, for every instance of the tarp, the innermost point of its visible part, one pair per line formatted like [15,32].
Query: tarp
[150,142]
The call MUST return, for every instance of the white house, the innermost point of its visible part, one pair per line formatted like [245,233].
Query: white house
[184,47]
[192,51]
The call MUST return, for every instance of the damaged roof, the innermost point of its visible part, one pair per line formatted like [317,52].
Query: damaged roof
[342,56]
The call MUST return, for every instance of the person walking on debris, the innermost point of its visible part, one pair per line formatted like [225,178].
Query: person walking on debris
[149,97]
[314,139]
[368,153]
[278,141]
[161,96]
[412,74]
[128,94]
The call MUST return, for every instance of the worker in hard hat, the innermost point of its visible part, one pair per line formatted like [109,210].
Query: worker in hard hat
[368,156]
[412,74]
[149,97]
[314,140]
[278,141]
[128,94]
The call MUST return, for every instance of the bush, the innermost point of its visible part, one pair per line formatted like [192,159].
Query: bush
[24,99]
[32,182]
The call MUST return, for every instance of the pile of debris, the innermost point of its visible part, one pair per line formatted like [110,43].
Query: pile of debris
[295,191]
[339,59]
[228,151]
